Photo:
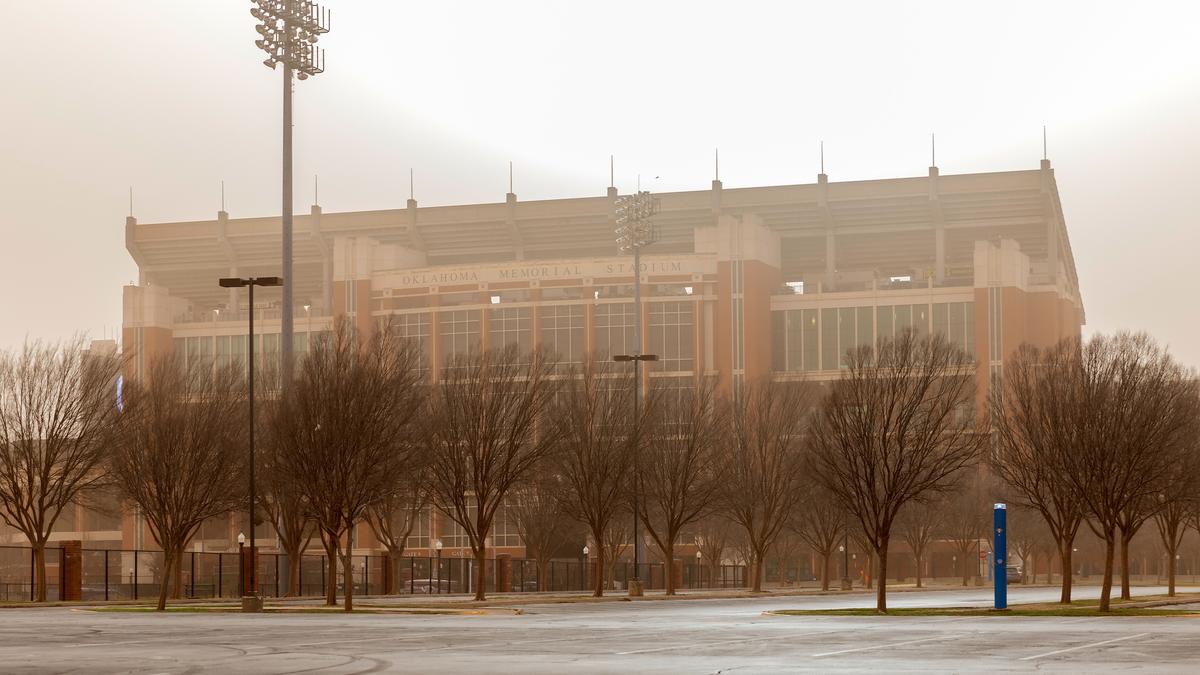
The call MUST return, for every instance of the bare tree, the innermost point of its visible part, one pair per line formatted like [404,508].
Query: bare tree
[595,452]
[1176,503]
[964,524]
[288,510]
[1133,415]
[343,430]
[893,430]
[681,470]
[58,414]
[1032,418]
[820,520]
[182,455]
[713,535]
[617,540]
[765,459]
[539,513]
[394,517]
[1028,536]
[920,524]
[486,431]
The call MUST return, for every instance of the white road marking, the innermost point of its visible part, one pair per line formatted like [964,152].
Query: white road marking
[722,642]
[1094,644]
[885,646]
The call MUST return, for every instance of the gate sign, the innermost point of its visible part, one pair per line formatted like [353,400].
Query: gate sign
[999,522]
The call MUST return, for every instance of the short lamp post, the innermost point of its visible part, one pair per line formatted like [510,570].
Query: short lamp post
[255,604]
[583,567]
[700,568]
[242,563]
[438,546]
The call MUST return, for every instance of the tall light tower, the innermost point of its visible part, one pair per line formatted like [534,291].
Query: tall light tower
[635,230]
[288,34]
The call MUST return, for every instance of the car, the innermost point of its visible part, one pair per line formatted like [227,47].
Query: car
[1013,574]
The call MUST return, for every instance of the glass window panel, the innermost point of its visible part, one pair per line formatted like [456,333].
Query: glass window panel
[866,326]
[941,324]
[920,319]
[883,322]
[903,318]
[779,346]
[846,335]
[811,339]
[562,332]
[969,321]
[956,324]
[829,339]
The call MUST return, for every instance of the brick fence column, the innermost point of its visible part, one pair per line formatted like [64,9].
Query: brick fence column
[72,572]
[504,577]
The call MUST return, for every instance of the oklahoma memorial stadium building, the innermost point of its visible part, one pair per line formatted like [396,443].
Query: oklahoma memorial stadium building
[740,283]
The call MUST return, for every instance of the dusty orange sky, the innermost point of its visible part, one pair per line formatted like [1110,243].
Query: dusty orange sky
[171,98]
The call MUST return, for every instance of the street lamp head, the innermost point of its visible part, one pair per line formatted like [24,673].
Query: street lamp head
[586,550]
[699,555]
[241,538]
[267,281]
[438,544]
[307,307]
[841,549]
[231,282]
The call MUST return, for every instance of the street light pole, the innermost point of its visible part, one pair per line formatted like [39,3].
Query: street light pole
[250,283]
[289,30]
[635,230]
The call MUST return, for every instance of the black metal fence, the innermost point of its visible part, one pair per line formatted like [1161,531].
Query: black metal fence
[134,574]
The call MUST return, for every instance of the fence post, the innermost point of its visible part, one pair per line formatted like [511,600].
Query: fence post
[220,569]
[105,574]
[277,575]
[412,562]
[366,574]
[323,585]
[135,574]
[32,576]
[193,593]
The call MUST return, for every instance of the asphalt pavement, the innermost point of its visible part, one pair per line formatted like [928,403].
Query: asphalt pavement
[677,636]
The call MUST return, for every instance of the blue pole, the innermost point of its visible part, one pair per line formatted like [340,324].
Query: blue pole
[999,521]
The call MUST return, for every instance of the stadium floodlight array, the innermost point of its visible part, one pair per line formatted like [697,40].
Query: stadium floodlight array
[633,216]
[288,32]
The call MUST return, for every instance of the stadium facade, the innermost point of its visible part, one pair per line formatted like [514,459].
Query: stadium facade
[741,283]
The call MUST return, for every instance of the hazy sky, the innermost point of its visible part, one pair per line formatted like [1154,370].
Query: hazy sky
[170,97]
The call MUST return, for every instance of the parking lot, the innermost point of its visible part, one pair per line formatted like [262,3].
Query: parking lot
[691,636]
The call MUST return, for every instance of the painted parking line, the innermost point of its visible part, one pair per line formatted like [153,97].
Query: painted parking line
[889,644]
[1087,646]
[702,645]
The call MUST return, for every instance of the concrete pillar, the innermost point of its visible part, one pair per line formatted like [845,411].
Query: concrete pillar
[939,228]
[827,216]
[72,570]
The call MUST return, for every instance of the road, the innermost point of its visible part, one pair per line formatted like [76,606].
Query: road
[683,636]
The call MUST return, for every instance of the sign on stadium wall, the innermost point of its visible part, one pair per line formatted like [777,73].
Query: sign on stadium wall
[541,271]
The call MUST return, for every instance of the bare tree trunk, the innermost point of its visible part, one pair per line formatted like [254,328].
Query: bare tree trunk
[293,584]
[1125,595]
[541,574]
[39,569]
[758,571]
[168,565]
[669,567]
[917,567]
[1171,573]
[598,584]
[176,575]
[348,579]
[480,574]
[881,587]
[1068,577]
[393,578]
[1110,545]
[331,578]
[826,558]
